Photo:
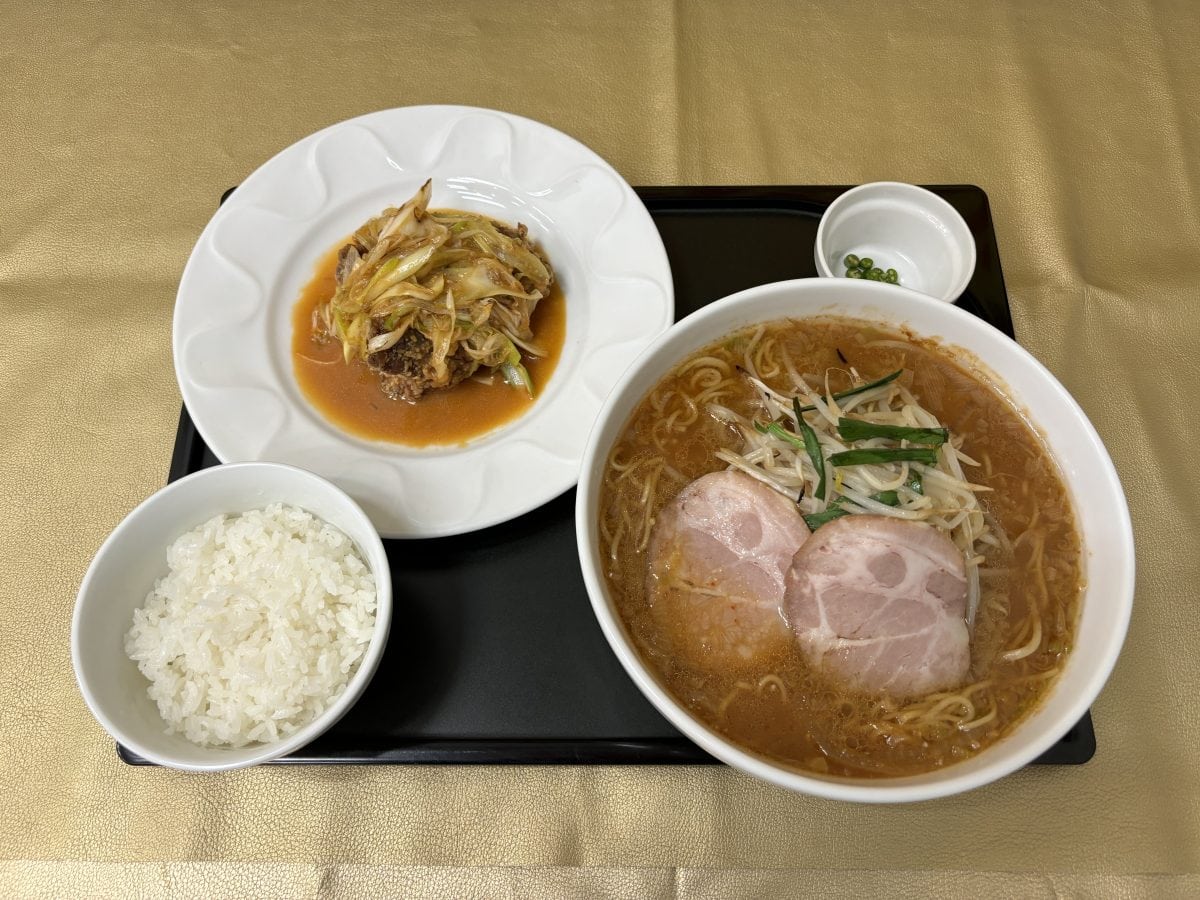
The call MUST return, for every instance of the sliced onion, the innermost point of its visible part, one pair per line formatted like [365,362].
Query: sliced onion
[385,341]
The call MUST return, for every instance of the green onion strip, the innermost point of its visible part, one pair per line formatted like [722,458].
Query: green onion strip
[813,446]
[858,430]
[861,389]
[879,455]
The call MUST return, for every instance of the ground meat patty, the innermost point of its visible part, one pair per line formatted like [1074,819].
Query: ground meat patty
[879,604]
[718,556]
[348,258]
[405,371]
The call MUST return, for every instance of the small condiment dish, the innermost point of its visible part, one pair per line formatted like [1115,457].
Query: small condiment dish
[132,558]
[903,227]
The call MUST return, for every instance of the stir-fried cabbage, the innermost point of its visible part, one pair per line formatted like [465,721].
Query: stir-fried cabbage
[467,283]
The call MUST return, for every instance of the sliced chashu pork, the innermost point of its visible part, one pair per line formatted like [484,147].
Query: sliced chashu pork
[879,604]
[719,555]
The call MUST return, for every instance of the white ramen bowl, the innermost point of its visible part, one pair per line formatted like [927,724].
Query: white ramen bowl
[902,227]
[134,556]
[1091,481]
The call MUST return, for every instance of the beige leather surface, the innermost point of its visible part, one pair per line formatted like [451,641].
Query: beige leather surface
[120,125]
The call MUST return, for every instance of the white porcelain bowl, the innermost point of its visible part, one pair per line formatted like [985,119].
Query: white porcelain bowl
[902,227]
[134,556]
[1085,465]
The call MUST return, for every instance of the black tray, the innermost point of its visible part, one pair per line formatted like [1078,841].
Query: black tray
[495,655]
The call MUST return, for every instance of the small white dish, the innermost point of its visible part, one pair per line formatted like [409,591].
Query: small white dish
[134,556]
[233,315]
[902,227]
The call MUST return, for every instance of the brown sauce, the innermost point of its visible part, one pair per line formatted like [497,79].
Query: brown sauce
[785,711]
[349,396]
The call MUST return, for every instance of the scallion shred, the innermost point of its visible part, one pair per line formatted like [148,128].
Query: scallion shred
[813,446]
[862,388]
[858,430]
[876,456]
[836,511]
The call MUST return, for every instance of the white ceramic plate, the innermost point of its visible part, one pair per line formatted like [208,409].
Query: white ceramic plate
[232,328]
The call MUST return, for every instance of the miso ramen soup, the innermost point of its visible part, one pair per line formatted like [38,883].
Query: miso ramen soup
[944,449]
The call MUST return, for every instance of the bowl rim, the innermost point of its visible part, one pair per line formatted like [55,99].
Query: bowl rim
[892,790]
[313,729]
[927,198]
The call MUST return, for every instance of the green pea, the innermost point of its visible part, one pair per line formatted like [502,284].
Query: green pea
[851,261]
[854,273]
[866,263]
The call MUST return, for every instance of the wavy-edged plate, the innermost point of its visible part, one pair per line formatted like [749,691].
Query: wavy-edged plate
[232,328]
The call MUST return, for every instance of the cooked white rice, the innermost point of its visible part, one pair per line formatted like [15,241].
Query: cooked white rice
[257,628]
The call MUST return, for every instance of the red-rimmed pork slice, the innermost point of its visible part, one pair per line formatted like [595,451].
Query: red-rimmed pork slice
[719,555]
[879,604]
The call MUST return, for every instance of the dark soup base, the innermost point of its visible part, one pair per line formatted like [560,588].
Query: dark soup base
[349,395]
[786,712]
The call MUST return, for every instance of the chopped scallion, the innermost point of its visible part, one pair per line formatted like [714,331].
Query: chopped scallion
[842,395]
[813,446]
[876,456]
[816,520]
[780,432]
[858,430]
[835,509]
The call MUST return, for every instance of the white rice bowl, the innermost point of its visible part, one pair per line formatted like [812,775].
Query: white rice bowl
[257,628]
[228,660]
